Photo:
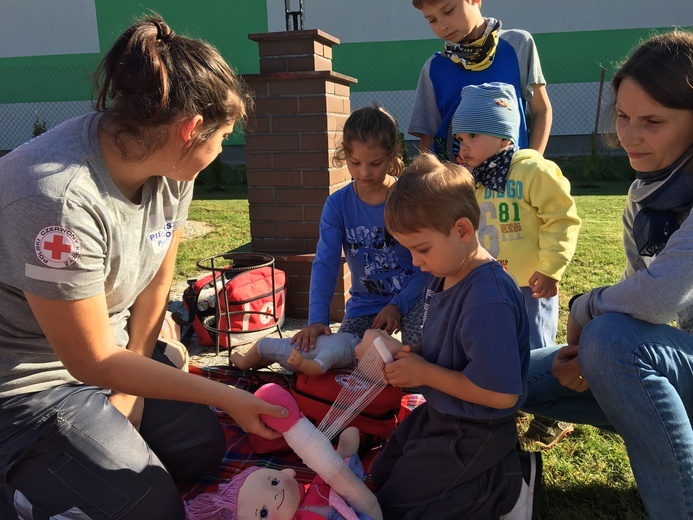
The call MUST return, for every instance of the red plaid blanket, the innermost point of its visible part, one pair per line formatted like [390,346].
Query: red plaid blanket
[238,454]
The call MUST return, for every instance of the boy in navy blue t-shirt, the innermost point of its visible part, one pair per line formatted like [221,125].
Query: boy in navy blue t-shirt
[456,455]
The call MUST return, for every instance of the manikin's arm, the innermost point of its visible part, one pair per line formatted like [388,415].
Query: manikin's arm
[363,347]
[348,442]
[304,365]
[317,452]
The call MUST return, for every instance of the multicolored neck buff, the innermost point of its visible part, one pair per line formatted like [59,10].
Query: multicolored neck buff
[493,172]
[663,197]
[478,54]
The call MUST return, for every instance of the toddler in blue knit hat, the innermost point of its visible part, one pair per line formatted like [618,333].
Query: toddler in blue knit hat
[486,123]
[529,222]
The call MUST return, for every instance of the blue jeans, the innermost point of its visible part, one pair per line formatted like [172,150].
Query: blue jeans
[641,386]
[543,319]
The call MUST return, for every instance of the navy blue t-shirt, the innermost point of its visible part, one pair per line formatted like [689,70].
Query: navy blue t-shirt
[478,326]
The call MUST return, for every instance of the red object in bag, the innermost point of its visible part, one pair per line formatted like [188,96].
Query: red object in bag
[316,394]
[200,301]
[250,303]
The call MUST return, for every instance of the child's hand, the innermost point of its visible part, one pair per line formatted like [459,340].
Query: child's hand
[543,286]
[305,338]
[407,370]
[388,319]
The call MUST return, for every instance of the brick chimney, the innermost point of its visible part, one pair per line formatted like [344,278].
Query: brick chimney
[301,105]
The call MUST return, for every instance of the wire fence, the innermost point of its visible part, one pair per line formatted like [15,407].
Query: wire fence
[578,90]
[33,97]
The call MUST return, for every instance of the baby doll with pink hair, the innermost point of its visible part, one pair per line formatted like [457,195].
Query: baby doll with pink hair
[337,492]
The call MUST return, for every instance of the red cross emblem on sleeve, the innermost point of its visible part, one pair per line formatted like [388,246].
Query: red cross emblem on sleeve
[56,246]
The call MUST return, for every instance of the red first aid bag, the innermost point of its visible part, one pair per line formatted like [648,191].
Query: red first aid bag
[249,297]
[251,302]
[316,394]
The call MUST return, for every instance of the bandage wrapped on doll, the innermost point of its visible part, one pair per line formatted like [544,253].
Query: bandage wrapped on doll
[317,452]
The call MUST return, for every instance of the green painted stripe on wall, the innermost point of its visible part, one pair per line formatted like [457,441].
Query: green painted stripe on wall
[47,78]
[382,66]
[562,64]
[226,25]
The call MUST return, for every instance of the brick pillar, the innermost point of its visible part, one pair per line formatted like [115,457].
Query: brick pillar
[301,105]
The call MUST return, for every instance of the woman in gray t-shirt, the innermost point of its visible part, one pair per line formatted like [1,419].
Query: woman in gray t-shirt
[91,214]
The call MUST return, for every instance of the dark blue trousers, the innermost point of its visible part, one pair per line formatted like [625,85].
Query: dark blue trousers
[70,454]
[439,466]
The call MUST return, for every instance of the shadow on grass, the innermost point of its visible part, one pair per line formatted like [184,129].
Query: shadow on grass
[243,248]
[221,181]
[597,174]
[223,192]
[599,188]
[590,501]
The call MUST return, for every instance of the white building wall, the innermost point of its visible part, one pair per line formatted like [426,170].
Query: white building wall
[388,20]
[40,28]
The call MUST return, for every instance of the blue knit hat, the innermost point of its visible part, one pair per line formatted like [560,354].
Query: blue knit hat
[489,109]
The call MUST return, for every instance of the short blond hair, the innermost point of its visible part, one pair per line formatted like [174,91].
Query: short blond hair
[431,194]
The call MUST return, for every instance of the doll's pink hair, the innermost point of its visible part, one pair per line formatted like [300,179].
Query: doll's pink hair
[221,504]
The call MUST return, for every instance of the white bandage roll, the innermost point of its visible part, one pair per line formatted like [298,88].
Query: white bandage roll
[383,350]
[314,449]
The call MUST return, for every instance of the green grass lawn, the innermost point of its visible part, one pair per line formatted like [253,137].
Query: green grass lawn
[587,476]
[226,210]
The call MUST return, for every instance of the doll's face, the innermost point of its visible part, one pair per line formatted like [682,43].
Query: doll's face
[269,494]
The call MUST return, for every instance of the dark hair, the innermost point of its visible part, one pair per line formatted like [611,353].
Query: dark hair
[374,126]
[431,195]
[154,77]
[663,67]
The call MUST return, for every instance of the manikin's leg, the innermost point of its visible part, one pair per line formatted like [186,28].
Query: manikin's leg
[249,359]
